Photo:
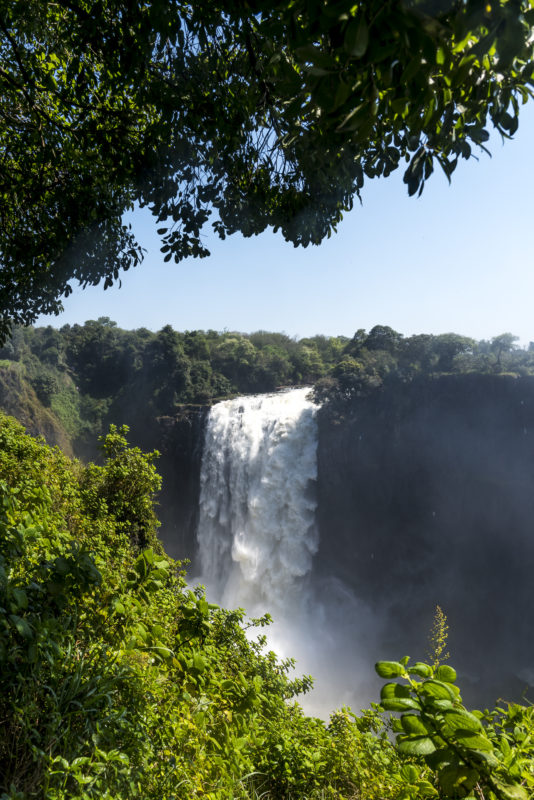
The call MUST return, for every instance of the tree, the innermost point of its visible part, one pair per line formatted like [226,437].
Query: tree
[382,337]
[167,368]
[417,352]
[262,114]
[96,351]
[449,345]
[234,357]
[504,343]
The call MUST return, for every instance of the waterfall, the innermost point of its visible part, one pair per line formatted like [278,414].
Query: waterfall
[256,530]
[257,537]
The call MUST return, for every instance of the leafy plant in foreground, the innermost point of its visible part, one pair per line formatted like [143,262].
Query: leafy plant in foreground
[472,754]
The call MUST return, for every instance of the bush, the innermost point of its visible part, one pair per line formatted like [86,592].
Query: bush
[117,681]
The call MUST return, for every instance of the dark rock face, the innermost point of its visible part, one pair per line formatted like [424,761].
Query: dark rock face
[426,497]
[180,439]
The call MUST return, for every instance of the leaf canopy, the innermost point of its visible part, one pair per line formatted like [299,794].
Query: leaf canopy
[255,114]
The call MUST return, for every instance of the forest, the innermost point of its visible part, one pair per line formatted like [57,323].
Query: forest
[81,378]
[118,680]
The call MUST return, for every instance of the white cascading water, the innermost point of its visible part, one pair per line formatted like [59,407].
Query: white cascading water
[257,538]
[256,529]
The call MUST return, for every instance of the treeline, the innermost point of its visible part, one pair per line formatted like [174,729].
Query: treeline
[93,374]
[385,357]
[190,367]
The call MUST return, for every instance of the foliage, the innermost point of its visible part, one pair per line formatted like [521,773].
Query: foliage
[118,681]
[125,487]
[89,376]
[259,114]
[371,361]
[471,754]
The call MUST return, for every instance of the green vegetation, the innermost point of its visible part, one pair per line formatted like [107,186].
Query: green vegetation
[258,114]
[384,358]
[118,681]
[474,754]
[71,384]
[89,376]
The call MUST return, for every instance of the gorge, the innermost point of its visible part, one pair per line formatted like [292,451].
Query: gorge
[421,492]
[420,496]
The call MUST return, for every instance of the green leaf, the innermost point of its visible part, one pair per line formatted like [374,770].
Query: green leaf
[203,608]
[412,723]
[513,792]
[473,741]
[415,745]
[118,607]
[199,663]
[423,670]
[353,120]
[438,690]
[356,37]
[394,690]
[458,779]
[425,789]
[21,626]
[395,697]
[443,758]
[163,652]
[318,71]
[389,669]
[343,93]
[458,719]
[21,598]
[409,773]
[400,704]
[413,67]
[443,704]
[446,673]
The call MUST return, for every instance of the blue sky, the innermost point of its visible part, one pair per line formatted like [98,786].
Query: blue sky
[460,258]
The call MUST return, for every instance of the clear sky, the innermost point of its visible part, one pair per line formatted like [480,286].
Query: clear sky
[460,258]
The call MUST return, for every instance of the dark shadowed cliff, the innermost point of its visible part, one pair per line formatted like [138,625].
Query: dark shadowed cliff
[426,497]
